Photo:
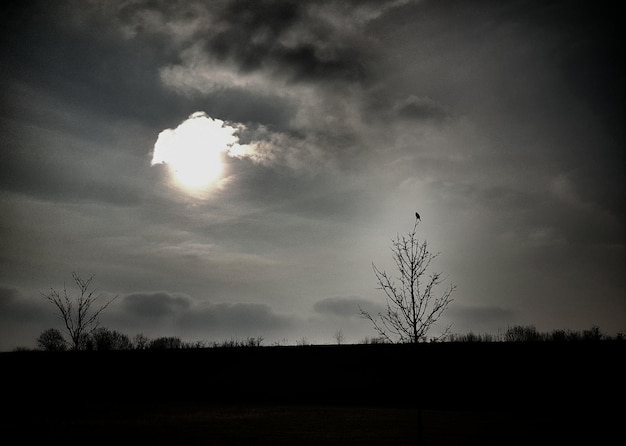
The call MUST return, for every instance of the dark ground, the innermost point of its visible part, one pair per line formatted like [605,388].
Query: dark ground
[548,393]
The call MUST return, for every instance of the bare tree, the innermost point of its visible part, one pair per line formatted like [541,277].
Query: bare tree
[412,305]
[140,341]
[76,312]
[339,337]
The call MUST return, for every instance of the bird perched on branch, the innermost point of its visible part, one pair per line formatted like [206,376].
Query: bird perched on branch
[418,216]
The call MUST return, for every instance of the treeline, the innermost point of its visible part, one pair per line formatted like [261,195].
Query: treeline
[529,333]
[104,339]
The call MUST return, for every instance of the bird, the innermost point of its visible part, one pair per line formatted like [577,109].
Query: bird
[418,216]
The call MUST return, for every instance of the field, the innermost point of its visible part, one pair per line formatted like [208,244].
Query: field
[441,394]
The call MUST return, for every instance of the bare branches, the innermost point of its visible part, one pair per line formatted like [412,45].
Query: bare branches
[412,304]
[77,313]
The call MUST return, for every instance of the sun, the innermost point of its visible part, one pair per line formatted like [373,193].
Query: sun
[194,151]
[195,164]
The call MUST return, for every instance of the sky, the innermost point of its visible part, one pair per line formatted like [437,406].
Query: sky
[233,169]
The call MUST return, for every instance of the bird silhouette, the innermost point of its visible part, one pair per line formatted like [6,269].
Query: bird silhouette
[418,216]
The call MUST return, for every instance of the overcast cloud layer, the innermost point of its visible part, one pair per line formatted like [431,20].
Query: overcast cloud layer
[500,121]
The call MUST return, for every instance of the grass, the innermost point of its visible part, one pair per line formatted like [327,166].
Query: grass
[327,425]
[470,393]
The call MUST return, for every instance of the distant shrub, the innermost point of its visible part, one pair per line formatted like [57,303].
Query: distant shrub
[165,342]
[375,340]
[141,342]
[194,344]
[339,337]
[234,342]
[522,333]
[565,336]
[593,334]
[280,342]
[52,340]
[528,333]
[471,337]
[560,336]
[105,340]
[254,342]
[303,342]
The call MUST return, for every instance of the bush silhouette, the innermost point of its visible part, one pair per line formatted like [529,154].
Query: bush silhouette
[52,340]
[165,342]
[104,339]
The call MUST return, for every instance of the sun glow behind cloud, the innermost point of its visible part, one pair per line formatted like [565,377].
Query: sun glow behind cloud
[194,151]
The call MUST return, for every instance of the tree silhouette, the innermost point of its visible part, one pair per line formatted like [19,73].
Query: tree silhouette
[105,339]
[52,340]
[165,342]
[79,318]
[412,305]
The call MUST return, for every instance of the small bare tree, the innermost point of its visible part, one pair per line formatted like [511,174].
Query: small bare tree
[339,337]
[79,318]
[412,306]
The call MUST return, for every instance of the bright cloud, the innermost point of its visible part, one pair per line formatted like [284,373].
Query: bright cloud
[195,149]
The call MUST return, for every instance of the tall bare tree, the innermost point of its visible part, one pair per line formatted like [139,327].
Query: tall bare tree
[413,306]
[77,314]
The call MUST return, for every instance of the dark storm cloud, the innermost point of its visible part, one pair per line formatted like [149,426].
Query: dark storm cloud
[260,34]
[177,314]
[290,61]
[156,304]
[344,306]
[241,319]
[302,41]
[248,107]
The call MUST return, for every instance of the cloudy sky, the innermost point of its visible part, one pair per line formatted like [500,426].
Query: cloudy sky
[234,168]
